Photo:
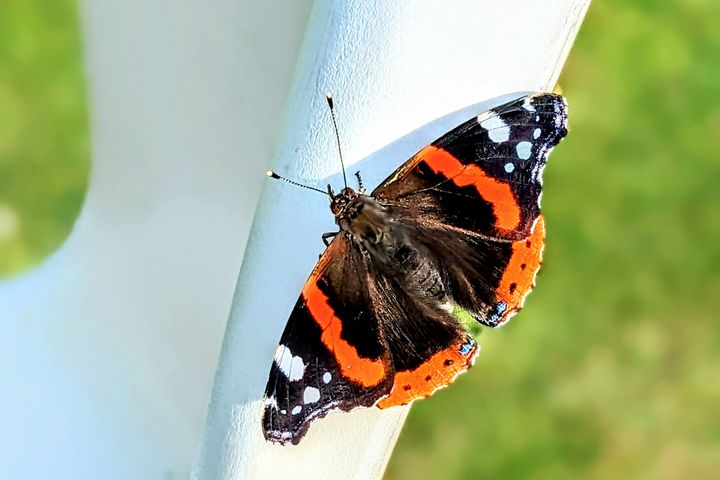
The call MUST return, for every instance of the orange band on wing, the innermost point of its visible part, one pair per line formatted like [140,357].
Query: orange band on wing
[438,372]
[519,276]
[498,194]
[365,371]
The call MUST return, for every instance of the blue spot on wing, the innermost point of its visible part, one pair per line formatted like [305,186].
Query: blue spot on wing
[467,347]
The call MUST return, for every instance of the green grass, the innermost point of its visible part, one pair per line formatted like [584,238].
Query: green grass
[44,140]
[611,371]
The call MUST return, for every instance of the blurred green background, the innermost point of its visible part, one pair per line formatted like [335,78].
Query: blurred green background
[44,139]
[613,368]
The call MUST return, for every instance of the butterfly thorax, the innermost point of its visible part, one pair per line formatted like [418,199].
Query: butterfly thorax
[372,225]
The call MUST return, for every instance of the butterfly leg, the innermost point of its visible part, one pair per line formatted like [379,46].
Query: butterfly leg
[327,235]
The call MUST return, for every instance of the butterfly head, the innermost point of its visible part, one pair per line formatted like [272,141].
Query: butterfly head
[343,202]
[361,216]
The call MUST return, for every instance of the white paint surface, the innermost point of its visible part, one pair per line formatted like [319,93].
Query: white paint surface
[392,68]
[108,349]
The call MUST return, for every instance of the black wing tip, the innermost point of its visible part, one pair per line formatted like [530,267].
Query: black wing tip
[552,96]
[555,106]
[280,436]
[294,431]
[544,99]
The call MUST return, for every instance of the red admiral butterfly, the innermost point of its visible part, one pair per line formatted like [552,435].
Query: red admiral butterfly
[457,228]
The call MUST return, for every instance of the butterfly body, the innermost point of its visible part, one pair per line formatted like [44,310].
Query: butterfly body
[455,228]
[380,234]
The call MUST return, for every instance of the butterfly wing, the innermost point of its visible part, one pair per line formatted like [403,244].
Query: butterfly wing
[332,355]
[478,188]
[429,347]
[351,328]
[356,337]
[485,176]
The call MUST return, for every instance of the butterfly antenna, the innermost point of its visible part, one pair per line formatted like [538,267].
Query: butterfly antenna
[337,135]
[360,184]
[274,175]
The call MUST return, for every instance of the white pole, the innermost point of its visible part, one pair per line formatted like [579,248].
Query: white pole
[392,67]
[108,348]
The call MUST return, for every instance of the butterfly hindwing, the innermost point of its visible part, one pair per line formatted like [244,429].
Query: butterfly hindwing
[436,371]
[429,347]
[356,338]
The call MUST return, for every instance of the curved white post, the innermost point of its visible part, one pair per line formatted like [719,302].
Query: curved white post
[108,349]
[392,67]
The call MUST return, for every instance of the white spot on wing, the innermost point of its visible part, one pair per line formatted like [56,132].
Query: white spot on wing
[497,129]
[296,409]
[311,395]
[509,167]
[327,376]
[297,369]
[527,104]
[523,150]
[283,359]
[292,366]
[536,133]
[271,402]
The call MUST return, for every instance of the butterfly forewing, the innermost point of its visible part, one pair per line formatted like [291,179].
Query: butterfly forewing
[331,355]
[482,182]
[485,176]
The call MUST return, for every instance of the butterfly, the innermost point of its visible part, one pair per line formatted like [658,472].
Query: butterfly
[456,230]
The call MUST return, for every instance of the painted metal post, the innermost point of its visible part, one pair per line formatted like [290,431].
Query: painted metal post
[108,348]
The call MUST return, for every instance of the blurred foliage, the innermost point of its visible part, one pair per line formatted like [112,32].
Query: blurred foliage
[613,368]
[44,141]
